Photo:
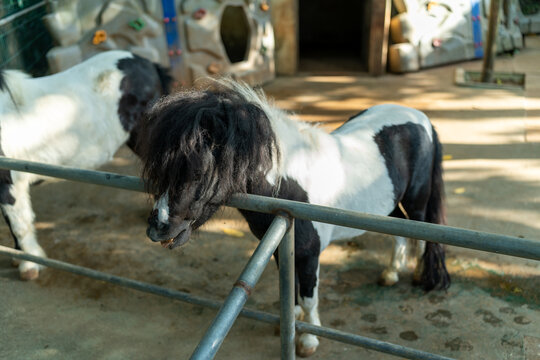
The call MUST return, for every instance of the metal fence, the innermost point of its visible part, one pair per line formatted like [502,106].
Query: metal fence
[24,40]
[281,228]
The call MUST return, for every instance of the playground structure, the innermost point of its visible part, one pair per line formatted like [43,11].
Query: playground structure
[529,20]
[427,33]
[195,38]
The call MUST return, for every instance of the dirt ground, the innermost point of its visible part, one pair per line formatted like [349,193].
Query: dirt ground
[491,311]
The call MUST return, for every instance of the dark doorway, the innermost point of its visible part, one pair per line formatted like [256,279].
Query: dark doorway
[333,36]
[235,33]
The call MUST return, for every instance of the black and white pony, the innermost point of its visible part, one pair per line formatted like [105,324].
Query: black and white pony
[79,117]
[203,146]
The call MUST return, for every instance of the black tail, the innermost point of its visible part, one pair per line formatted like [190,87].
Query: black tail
[165,79]
[434,274]
[4,87]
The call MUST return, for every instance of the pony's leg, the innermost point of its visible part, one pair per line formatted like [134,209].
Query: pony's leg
[14,262]
[5,199]
[420,249]
[20,218]
[418,215]
[298,312]
[308,275]
[390,275]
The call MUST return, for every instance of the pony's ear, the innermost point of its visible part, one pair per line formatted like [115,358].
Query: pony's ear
[165,78]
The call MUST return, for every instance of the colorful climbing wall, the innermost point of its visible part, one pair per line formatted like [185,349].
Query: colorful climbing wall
[84,28]
[430,33]
[529,16]
[232,37]
[195,38]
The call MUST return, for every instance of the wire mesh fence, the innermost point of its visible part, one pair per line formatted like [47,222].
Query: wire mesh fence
[24,40]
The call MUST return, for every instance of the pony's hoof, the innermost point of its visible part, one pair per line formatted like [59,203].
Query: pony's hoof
[15,262]
[29,271]
[305,352]
[388,278]
[29,275]
[307,345]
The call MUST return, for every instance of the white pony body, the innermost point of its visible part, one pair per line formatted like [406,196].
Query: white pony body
[322,165]
[321,162]
[71,118]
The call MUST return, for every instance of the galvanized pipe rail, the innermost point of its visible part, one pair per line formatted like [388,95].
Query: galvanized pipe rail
[347,338]
[286,293]
[501,244]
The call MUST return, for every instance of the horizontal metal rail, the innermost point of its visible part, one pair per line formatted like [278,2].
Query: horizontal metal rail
[265,317]
[501,244]
[478,240]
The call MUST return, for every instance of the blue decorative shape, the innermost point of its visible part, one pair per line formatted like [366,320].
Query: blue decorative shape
[477,29]
[171,28]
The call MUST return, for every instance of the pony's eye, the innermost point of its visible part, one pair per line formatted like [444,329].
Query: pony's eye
[198,193]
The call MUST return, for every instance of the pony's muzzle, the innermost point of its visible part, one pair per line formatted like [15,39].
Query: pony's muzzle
[157,230]
[170,235]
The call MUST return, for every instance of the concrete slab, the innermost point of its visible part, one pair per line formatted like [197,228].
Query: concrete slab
[490,312]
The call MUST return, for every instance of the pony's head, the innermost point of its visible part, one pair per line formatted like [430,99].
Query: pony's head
[197,149]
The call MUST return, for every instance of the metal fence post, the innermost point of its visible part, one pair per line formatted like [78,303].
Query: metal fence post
[287,294]
[234,303]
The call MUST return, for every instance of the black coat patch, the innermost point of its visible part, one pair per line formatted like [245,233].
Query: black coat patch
[5,181]
[4,87]
[143,83]
[357,115]
[307,244]
[414,164]
[3,84]
[408,153]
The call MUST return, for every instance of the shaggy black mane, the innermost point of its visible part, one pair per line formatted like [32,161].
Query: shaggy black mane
[215,138]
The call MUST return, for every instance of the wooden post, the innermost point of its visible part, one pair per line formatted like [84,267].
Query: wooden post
[378,36]
[489,50]
[285,22]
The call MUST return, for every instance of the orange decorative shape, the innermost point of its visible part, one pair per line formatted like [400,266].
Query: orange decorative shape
[265,6]
[99,37]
